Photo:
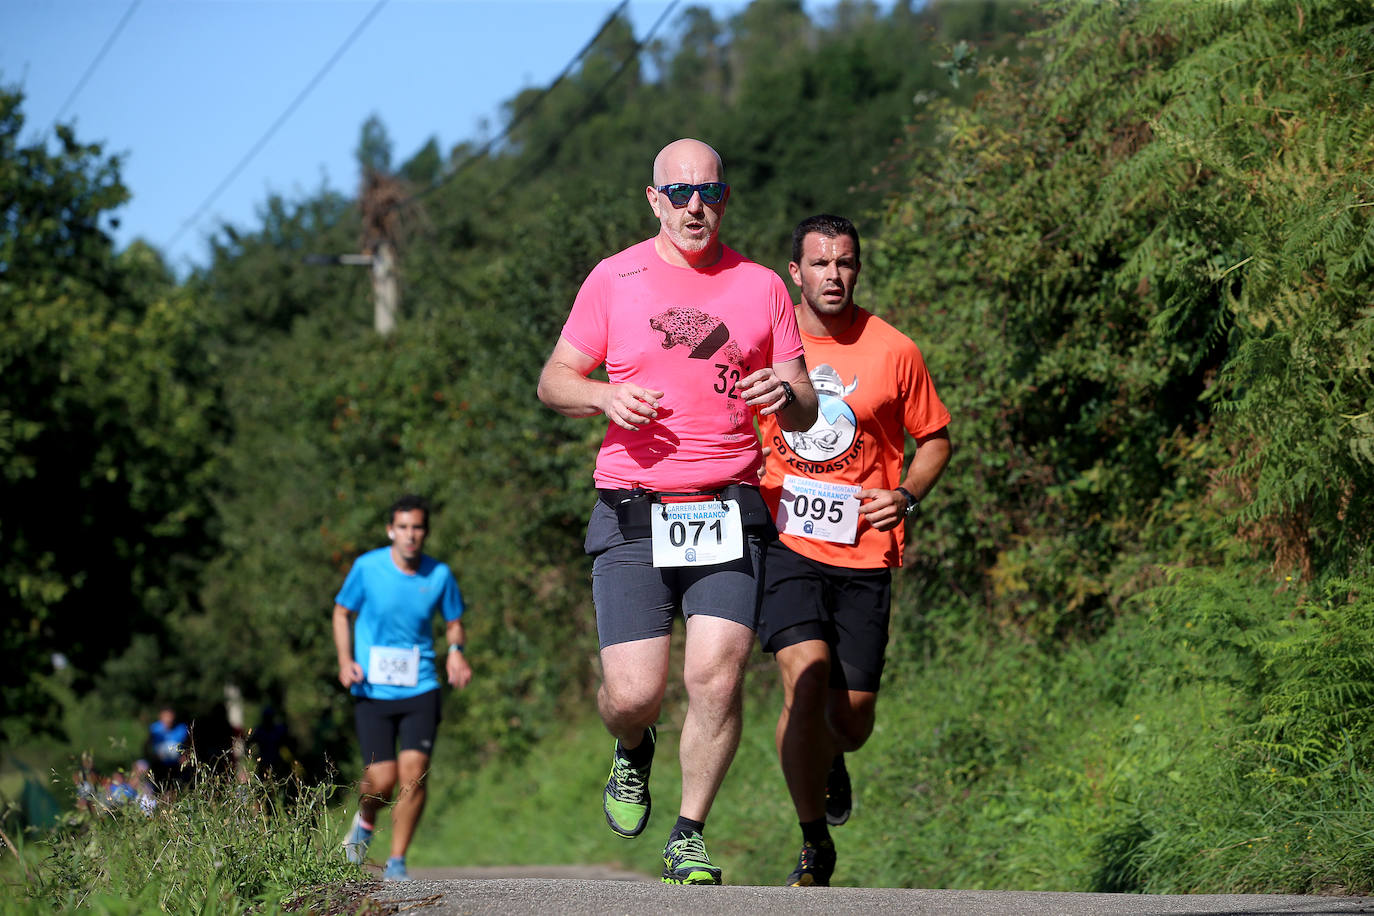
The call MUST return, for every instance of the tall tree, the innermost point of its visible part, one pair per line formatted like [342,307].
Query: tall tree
[108,416]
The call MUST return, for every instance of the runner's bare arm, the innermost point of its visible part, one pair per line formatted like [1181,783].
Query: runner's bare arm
[564,386]
[886,509]
[763,390]
[456,667]
[350,672]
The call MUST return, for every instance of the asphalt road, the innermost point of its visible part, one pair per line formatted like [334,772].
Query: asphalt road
[474,892]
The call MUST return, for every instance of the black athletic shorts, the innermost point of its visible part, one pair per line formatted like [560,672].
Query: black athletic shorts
[848,608]
[415,720]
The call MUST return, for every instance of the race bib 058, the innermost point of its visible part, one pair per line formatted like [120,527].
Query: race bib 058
[396,667]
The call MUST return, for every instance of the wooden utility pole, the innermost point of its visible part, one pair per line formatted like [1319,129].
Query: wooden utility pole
[386,284]
[386,292]
[382,200]
[386,204]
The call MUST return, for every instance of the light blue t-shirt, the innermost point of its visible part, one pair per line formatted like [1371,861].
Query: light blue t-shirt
[168,742]
[395,610]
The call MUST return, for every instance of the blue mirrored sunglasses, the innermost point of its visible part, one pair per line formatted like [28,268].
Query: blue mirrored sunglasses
[712,192]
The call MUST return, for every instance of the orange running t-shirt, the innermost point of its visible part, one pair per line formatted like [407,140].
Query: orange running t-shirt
[873,389]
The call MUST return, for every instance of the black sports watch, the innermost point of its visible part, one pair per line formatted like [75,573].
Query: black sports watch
[912,503]
[791,395]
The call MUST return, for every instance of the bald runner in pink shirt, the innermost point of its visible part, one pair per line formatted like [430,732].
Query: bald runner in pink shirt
[697,341]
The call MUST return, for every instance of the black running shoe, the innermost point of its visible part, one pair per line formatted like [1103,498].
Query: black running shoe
[814,867]
[839,796]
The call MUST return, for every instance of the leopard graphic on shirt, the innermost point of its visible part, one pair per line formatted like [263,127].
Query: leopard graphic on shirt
[705,336]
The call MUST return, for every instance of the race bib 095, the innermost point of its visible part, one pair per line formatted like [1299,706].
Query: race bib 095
[818,510]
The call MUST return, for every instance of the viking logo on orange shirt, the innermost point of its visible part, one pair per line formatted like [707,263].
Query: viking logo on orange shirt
[836,426]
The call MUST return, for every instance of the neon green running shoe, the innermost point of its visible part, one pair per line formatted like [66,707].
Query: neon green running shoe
[685,862]
[626,799]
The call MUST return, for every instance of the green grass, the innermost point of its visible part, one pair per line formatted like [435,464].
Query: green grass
[222,846]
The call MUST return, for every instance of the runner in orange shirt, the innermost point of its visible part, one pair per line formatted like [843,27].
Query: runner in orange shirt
[840,501]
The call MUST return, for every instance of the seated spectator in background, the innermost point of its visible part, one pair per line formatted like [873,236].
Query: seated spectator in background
[84,781]
[119,793]
[270,741]
[212,742]
[143,786]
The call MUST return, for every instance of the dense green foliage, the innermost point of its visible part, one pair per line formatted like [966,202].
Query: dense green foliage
[1140,266]
[1148,291]
[1133,641]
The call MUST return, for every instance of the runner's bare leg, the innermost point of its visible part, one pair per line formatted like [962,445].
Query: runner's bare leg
[633,678]
[410,801]
[379,780]
[805,744]
[713,672]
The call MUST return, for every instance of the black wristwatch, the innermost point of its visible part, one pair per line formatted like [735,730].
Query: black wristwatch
[912,503]
[791,395]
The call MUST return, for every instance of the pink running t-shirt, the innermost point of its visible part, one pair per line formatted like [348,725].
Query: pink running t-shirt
[690,334]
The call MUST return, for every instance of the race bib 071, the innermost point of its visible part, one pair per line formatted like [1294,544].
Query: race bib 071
[696,533]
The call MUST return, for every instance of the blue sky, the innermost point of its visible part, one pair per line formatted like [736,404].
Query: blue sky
[188,87]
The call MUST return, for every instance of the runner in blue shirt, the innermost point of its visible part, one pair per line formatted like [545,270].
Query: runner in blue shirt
[387,661]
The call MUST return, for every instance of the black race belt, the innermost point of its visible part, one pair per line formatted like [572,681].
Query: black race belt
[632,507]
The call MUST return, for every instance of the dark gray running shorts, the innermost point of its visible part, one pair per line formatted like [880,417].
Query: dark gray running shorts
[848,608]
[634,600]
[382,724]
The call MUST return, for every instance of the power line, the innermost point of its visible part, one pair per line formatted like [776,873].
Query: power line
[596,98]
[321,260]
[519,115]
[99,56]
[276,125]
